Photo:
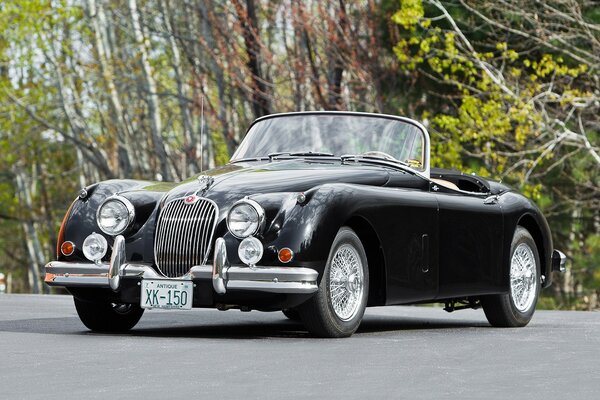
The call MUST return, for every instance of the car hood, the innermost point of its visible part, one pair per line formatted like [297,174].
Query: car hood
[234,181]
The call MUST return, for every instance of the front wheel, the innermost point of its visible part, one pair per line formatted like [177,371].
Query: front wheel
[338,306]
[516,308]
[108,317]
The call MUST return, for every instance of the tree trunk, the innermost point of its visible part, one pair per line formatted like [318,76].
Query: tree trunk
[34,248]
[335,82]
[123,136]
[151,96]
[189,158]
[260,98]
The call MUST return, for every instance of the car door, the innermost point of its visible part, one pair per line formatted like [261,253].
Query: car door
[470,243]
[408,226]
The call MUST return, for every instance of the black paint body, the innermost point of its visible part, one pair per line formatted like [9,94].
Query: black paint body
[424,242]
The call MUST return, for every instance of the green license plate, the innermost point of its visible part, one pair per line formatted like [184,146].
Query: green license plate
[167,294]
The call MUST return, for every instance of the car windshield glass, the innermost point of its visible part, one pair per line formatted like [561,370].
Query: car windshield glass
[339,135]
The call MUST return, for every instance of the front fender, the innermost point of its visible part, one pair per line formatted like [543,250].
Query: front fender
[81,220]
[518,210]
[306,227]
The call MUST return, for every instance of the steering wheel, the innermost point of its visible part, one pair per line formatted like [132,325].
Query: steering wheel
[380,154]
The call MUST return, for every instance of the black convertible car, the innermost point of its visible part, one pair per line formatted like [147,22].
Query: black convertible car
[318,214]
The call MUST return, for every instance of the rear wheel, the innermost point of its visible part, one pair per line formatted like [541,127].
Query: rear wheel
[516,308]
[338,306]
[108,317]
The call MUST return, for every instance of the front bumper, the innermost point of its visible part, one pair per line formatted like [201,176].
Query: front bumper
[224,277]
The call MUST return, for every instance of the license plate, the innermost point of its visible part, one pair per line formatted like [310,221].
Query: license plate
[168,294]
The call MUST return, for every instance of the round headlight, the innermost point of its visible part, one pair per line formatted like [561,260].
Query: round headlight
[245,218]
[94,247]
[250,251]
[115,215]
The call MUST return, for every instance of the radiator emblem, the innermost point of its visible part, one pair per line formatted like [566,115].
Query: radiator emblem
[191,199]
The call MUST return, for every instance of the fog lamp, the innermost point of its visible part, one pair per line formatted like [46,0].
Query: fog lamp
[94,247]
[250,251]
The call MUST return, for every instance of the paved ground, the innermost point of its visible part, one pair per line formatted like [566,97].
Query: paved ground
[398,353]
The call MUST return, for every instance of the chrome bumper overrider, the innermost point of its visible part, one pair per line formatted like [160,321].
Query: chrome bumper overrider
[224,276]
[559,261]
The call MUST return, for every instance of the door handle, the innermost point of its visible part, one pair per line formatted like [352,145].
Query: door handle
[425,253]
[491,200]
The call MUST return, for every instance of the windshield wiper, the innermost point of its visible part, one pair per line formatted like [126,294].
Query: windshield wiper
[359,158]
[249,159]
[300,154]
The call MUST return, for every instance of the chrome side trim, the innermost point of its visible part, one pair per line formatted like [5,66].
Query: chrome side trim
[559,261]
[274,287]
[279,274]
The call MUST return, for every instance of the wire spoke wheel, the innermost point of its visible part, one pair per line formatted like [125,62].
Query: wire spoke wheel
[516,307]
[346,282]
[523,277]
[337,308]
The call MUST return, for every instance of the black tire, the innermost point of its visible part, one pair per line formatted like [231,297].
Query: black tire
[108,317]
[317,314]
[291,314]
[501,310]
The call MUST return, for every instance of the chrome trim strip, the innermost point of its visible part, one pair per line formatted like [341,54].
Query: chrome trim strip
[77,268]
[274,287]
[281,274]
[79,281]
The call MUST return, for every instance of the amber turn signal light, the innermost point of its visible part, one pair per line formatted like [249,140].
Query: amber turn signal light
[67,248]
[285,255]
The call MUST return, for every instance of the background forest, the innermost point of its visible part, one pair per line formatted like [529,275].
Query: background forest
[94,89]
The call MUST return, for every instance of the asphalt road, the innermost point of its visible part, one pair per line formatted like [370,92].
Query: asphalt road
[398,353]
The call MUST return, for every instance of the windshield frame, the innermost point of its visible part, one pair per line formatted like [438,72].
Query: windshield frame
[425,170]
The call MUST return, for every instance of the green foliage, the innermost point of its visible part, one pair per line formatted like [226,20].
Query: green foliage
[497,100]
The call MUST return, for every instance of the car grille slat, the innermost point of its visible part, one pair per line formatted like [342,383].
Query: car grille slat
[184,234]
[198,246]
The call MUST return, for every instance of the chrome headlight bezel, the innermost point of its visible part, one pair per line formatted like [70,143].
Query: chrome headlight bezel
[130,209]
[260,217]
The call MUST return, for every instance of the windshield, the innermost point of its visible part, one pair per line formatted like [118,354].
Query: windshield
[338,134]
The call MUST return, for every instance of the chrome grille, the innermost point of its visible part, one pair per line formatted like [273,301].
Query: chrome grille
[184,235]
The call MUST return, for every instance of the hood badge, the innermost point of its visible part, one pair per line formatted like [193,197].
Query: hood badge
[205,181]
[191,199]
